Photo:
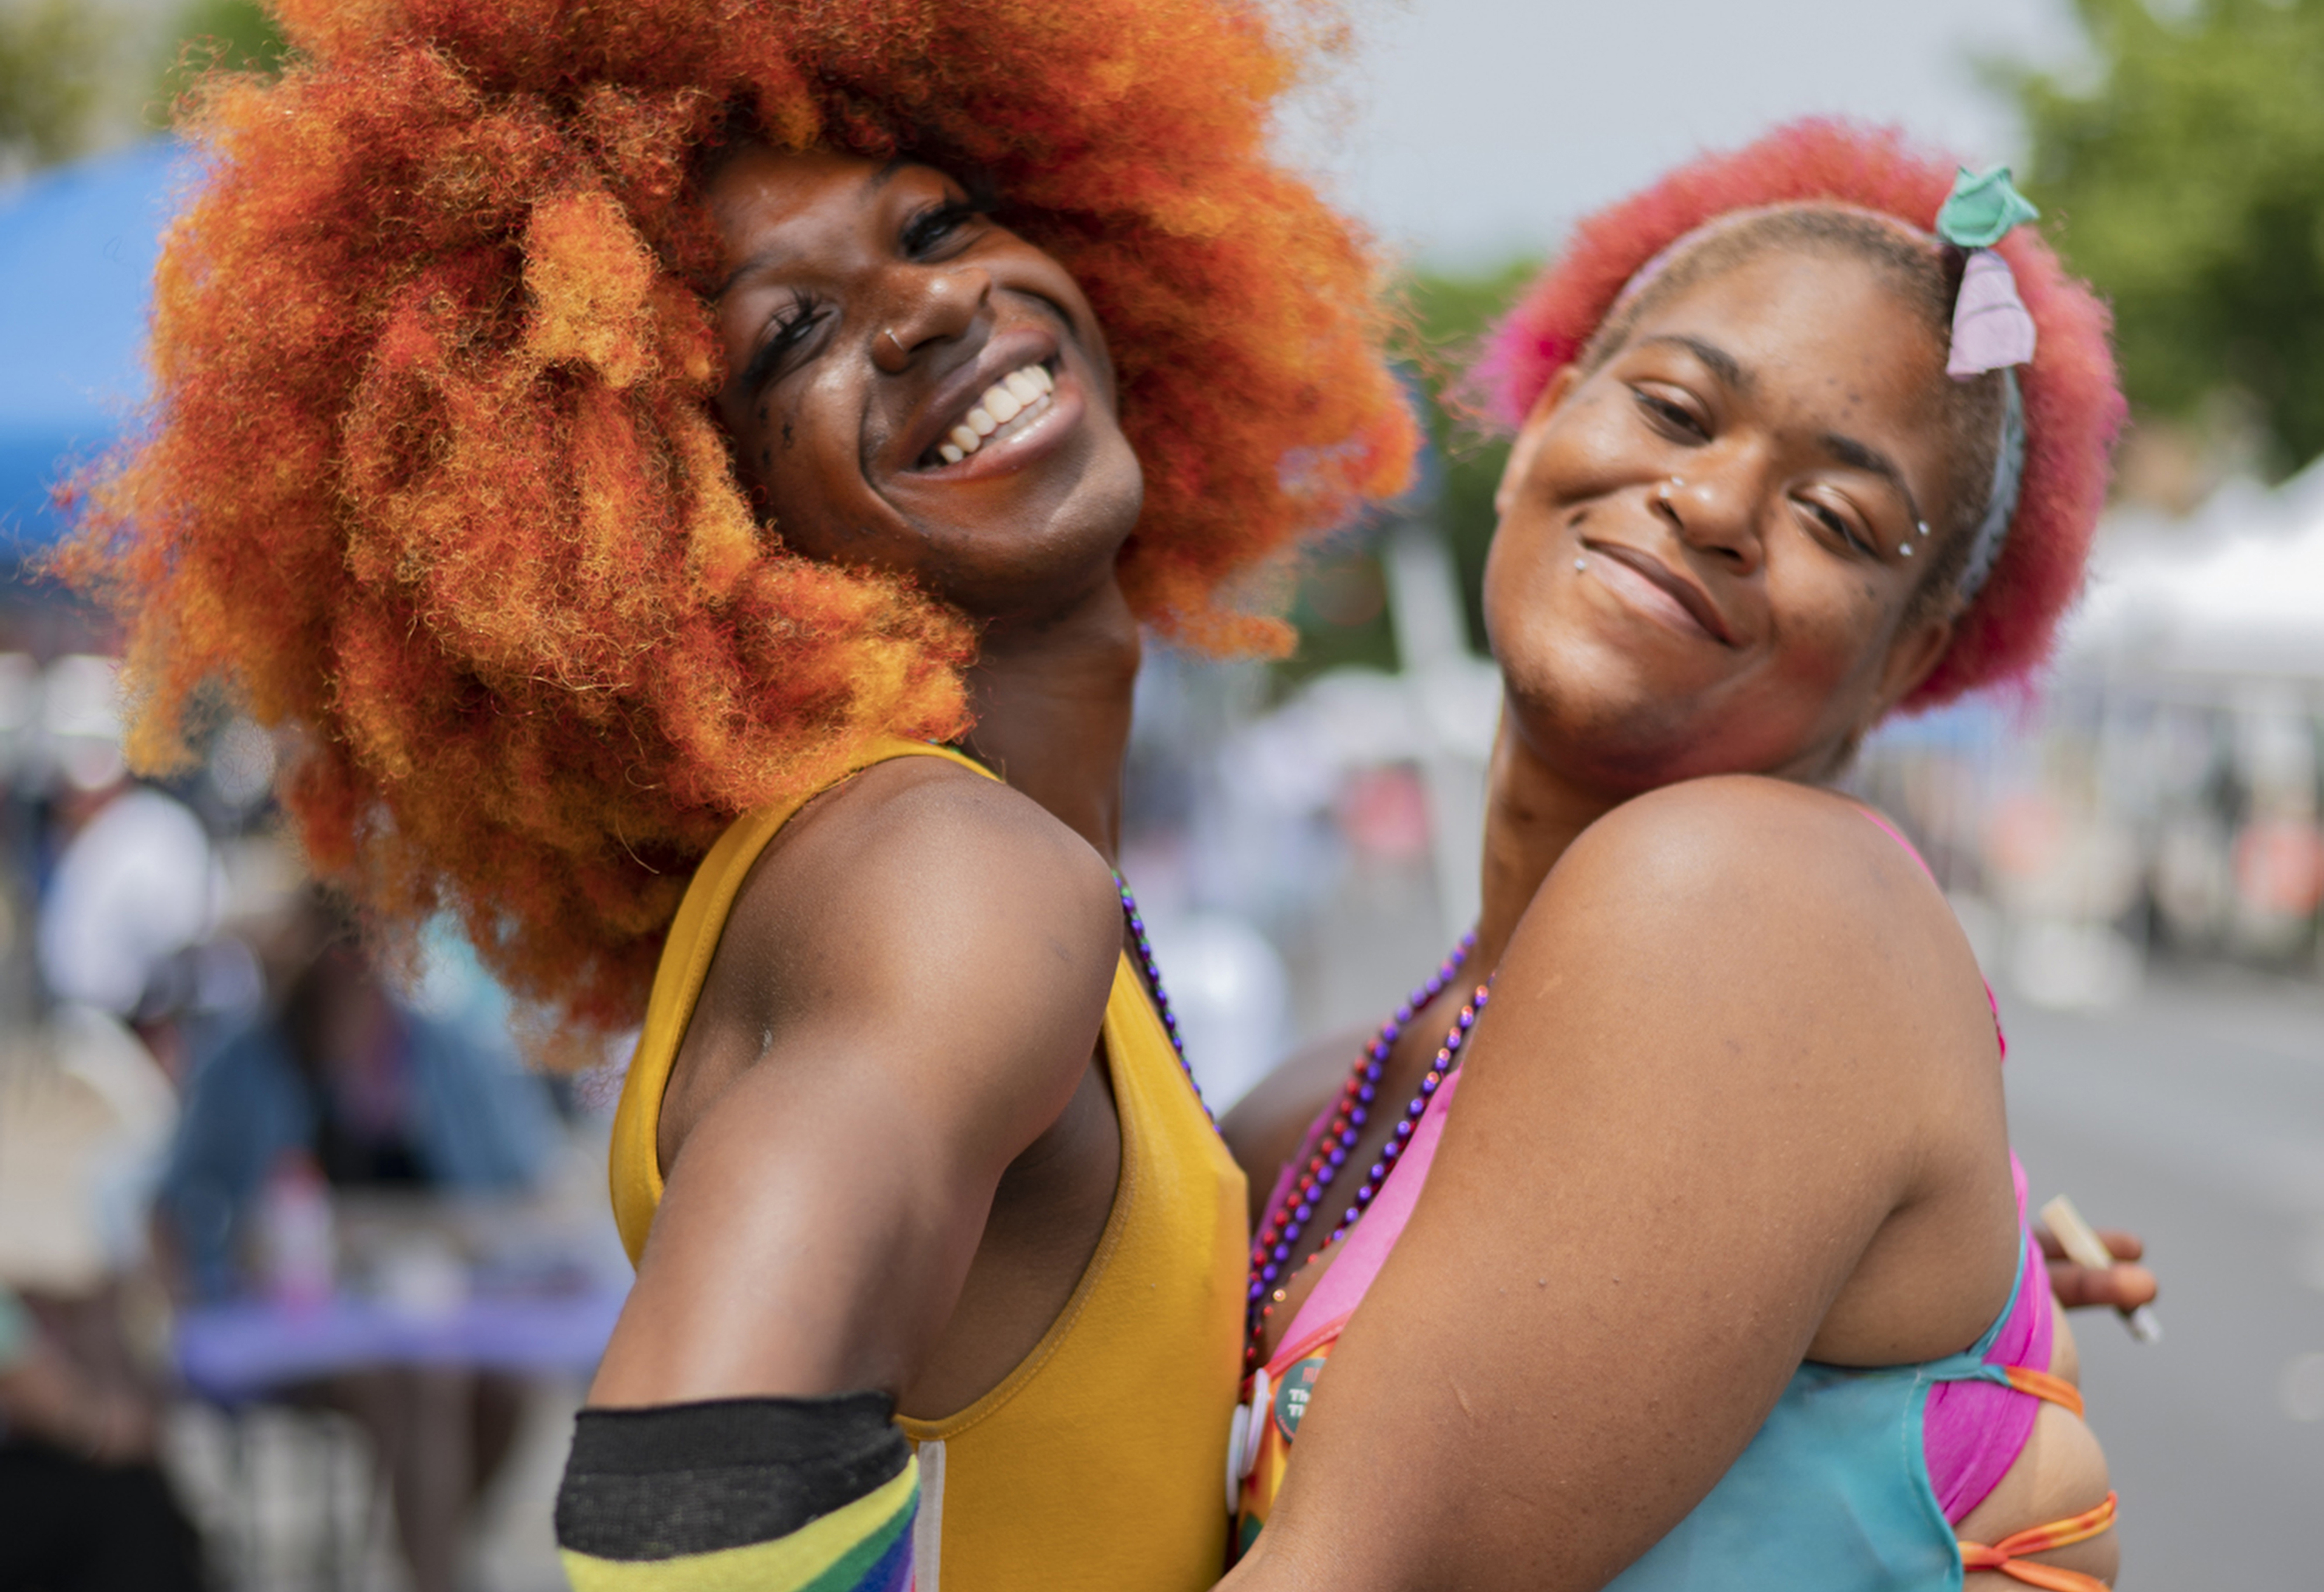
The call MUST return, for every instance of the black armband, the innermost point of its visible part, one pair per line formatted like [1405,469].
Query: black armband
[672,1480]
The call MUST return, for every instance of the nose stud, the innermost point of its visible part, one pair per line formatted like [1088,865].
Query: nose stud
[890,335]
[1582,563]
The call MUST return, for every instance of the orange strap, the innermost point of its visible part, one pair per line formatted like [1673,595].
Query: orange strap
[2042,1386]
[2004,1556]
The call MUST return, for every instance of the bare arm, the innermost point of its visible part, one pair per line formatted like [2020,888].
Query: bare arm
[1736,1103]
[906,998]
[1266,1126]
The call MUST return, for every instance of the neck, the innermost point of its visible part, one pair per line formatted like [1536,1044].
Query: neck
[1532,814]
[1052,701]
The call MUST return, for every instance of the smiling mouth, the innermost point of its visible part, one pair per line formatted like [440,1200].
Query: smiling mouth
[1661,593]
[1010,406]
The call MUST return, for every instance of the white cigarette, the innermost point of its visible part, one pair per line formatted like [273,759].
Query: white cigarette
[2084,1247]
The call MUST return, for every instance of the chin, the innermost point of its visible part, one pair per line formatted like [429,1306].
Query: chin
[1028,571]
[1589,711]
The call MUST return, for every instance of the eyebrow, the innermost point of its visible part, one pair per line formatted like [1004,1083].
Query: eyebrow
[1861,456]
[766,257]
[1716,359]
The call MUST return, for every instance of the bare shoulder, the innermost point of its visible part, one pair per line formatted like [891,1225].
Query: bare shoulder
[915,847]
[1736,845]
[1765,901]
[924,914]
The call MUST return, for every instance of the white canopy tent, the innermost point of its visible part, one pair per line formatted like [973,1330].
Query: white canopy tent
[2236,592]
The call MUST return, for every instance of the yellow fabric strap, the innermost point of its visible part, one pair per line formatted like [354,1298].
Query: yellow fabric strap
[833,1554]
[634,1165]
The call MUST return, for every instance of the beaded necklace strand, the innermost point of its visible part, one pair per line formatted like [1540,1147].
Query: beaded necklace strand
[1161,998]
[1278,1236]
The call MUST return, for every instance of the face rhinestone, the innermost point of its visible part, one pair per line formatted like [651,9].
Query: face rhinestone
[1923,527]
[1905,551]
[1335,1137]
[1582,563]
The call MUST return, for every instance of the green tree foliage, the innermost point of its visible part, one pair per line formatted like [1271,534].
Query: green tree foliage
[52,59]
[1341,606]
[2185,167]
[233,35]
[1451,313]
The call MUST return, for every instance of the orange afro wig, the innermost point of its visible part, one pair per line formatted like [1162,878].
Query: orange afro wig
[2074,405]
[431,478]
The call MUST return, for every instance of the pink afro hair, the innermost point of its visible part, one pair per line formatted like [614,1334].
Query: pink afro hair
[2074,405]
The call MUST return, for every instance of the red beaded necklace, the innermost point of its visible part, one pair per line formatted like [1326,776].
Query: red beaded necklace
[1278,1236]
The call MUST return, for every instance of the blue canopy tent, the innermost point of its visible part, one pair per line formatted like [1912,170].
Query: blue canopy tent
[77,248]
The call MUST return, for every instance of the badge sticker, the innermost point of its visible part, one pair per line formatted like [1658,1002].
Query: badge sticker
[1292,1393]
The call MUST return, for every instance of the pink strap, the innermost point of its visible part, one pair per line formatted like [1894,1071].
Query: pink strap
[1898,834]
[1366,1247]
[1913,851]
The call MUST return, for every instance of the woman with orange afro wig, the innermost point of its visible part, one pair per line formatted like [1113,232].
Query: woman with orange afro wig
[624,443]
[1718,1275]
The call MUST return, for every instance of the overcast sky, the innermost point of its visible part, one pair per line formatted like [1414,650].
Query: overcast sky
[1470,129]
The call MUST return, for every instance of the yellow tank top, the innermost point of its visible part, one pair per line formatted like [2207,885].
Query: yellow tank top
[1100,1461]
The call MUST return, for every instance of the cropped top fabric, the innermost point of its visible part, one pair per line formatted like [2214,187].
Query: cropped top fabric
[1855,1480]
[1128,1393]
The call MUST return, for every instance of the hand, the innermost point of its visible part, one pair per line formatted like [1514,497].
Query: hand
[2121,1287]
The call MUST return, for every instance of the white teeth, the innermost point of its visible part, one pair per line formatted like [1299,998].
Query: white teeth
[1001,403]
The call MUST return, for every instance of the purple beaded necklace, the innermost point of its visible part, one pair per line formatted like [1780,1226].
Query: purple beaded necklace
[1278,1236]
[1161,999]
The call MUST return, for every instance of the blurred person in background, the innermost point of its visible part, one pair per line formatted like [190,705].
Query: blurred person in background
[1719,1280]
[83,1506]
[122,883]
[340,1084]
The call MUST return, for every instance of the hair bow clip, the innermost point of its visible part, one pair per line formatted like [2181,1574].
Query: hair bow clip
[1992,329]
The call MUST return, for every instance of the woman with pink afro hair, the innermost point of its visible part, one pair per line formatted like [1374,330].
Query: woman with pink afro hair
[1719,1276]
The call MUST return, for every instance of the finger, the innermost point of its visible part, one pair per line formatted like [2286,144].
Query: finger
[2051,1247]
[2122,1288]
[2122,1246]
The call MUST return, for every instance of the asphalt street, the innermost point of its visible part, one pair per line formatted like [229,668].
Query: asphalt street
[2194,1115]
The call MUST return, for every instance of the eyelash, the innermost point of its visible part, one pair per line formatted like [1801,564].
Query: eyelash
[928,229]
[1841,527]
[1664,412]
[789,328]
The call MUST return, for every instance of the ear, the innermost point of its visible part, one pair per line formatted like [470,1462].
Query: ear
[1911,656]
[1529,442]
